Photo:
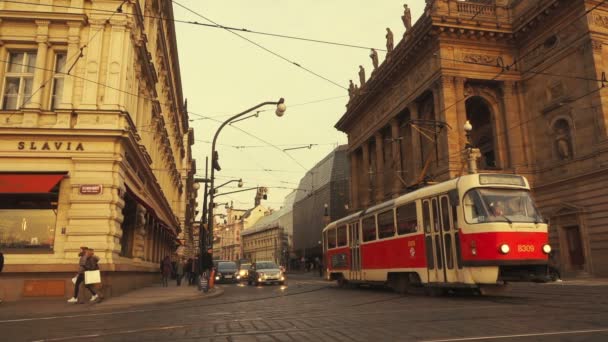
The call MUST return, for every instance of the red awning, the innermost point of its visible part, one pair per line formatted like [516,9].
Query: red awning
[29,183]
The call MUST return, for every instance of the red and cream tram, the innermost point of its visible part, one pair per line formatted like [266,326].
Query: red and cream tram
[477,231]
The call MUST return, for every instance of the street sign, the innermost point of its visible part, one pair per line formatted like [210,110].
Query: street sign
[91,189]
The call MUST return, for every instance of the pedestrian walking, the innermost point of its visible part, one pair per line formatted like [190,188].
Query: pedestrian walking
[91,264]
[188,271]
[194,270]
[79,278]
[165,269]
[1,266]
[179,271]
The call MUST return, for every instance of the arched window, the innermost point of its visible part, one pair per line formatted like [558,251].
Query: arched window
[562,139]
[483,135]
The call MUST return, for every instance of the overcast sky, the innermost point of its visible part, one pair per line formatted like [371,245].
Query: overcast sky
[223,74]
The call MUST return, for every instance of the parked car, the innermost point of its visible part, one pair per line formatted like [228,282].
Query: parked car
[265,272]
[244,271]
[226,271]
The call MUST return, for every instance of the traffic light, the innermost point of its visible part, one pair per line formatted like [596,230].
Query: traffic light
[215,161]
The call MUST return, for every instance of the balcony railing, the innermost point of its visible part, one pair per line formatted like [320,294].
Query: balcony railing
[473,9]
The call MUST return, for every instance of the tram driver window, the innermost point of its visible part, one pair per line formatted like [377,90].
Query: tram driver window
[342,236]
[331,238]
[406,219]
[386,225]
[369,229]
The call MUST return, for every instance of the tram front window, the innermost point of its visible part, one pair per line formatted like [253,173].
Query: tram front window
[500,205]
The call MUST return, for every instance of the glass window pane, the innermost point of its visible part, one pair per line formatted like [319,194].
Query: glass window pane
[342,236]
[331,238]
[436,221]
[60,61]
[11,91]
[386,225]
[369,229]
[27,228]
[426,216]
[448,251]
[31,62]
[445,213]
[406,219]
[26,95]
[16,62]
[57,92]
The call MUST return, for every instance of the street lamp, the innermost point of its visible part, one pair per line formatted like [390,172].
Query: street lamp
[280,111]
[471,153]
[239,184]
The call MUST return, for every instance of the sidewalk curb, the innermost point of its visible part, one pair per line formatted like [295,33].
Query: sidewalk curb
[218,292]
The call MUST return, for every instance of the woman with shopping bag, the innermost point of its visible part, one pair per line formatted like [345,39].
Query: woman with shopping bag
[92,275]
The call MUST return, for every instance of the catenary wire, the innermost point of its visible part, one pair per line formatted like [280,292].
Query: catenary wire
[245,30]
[264,48]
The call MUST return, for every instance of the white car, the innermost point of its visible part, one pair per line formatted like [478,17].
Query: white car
[265,272]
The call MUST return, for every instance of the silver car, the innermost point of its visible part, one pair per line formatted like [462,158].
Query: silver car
[265,272]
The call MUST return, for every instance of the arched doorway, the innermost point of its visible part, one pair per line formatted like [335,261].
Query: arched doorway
[483,135]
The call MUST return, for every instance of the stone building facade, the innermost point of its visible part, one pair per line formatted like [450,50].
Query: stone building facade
[529,77]
[95,148]
[264,241]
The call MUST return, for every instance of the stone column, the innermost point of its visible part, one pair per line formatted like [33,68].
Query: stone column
[365,173]
[398,176]
[512,129]
[461,111]
[139,234]
[93,64]
[355,171]
[449,145]
[415,165]
[40,78]
[380,175]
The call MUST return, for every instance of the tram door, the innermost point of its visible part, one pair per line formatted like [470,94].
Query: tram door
[355,251]
[433,241]
[448,237]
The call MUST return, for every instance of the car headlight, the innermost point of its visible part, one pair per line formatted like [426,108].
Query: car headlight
[217,278]
[504,248]
[547,248]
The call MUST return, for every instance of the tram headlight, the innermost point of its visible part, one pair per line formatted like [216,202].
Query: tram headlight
[547,248]
[504,248]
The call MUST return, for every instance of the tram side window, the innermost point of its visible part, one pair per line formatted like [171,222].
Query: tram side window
[331,238]
[369,229]
[436,221]
[341,236]
[406,219]
[386,225]
[426,216]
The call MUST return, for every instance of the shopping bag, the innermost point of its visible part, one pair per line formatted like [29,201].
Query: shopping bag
[92,277]
[74,280]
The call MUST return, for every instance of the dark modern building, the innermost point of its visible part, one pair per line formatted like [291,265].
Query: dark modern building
[323,197]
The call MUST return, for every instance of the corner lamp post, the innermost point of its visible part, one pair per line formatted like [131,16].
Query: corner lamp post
[280,110]
[471,153]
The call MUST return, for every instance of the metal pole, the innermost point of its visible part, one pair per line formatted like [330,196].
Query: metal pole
[202,234]
[213,144]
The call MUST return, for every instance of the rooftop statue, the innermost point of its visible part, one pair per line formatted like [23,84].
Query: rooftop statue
[390,42]
[361,75]
[374,57]
[407,18]
[351,89]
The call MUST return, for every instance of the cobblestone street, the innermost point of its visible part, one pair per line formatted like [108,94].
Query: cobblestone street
[311,309]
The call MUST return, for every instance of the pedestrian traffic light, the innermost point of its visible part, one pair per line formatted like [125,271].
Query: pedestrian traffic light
[215,161]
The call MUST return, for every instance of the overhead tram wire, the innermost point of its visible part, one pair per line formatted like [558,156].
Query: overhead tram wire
[217,26]
[149,98]
[264,48]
